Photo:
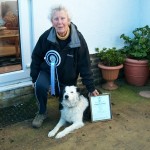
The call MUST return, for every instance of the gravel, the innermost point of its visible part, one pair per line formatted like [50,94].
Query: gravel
[17,113]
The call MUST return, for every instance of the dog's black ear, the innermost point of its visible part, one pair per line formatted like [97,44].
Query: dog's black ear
[78,90]
[62,90]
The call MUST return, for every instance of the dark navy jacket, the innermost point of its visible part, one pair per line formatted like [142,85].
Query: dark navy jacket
[75,58]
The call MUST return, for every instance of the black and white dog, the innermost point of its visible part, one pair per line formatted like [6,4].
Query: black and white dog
[74,106]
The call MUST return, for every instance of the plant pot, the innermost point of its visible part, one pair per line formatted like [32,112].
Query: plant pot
[136,71]
[110,74]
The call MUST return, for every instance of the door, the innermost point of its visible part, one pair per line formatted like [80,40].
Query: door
[15,41]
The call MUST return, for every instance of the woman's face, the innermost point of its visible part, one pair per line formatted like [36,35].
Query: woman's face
[60,22]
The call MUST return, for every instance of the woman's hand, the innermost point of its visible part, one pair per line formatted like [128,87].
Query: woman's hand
[95,93]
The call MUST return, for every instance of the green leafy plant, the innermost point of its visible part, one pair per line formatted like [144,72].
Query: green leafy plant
[137,47]
[110,56]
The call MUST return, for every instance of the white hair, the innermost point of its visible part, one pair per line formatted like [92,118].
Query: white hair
[59,8]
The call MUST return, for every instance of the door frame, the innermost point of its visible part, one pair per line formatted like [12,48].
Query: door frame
[25,24]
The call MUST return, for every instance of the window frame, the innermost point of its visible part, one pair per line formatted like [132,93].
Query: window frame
[26,38]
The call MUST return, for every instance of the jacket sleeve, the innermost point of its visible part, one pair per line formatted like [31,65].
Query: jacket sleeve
[37,59]
[84,65]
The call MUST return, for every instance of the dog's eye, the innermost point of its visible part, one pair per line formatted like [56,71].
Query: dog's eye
[71,91]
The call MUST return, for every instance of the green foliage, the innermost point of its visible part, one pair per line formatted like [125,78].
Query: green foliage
[110,56]
[137,47]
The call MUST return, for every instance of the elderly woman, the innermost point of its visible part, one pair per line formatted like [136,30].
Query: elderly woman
[64,40]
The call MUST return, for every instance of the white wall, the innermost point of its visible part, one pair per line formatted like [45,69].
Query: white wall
[145,12]
[100,21]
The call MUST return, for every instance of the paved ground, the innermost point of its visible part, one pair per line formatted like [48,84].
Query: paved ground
[128,130]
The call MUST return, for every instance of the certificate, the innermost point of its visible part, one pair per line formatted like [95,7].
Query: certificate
[100,107]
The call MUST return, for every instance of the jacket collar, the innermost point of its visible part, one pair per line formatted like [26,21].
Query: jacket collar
[75,42]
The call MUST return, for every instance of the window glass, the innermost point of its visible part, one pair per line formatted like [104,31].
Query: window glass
[10,51]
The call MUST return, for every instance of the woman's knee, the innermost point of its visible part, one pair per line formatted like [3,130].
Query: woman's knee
[42,82]
[40,86]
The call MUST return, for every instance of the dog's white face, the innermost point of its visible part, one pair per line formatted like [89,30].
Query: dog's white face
[70,96]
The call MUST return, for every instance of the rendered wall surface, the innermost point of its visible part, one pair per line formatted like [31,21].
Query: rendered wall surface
[101,22]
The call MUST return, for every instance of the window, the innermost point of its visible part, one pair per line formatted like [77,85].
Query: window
[10,52]
[15,41]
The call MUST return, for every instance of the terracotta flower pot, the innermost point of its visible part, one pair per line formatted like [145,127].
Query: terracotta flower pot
[110,74]
[136,71]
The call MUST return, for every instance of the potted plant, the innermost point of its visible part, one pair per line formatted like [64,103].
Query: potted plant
[137,50]
[111,61]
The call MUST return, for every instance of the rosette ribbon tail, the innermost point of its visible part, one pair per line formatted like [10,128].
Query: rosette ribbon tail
[53,59]
[52,81]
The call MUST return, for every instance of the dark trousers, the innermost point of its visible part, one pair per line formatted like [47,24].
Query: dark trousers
[42,87]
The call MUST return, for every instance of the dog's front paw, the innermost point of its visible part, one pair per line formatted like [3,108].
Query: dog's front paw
[60,135]
[51,134]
